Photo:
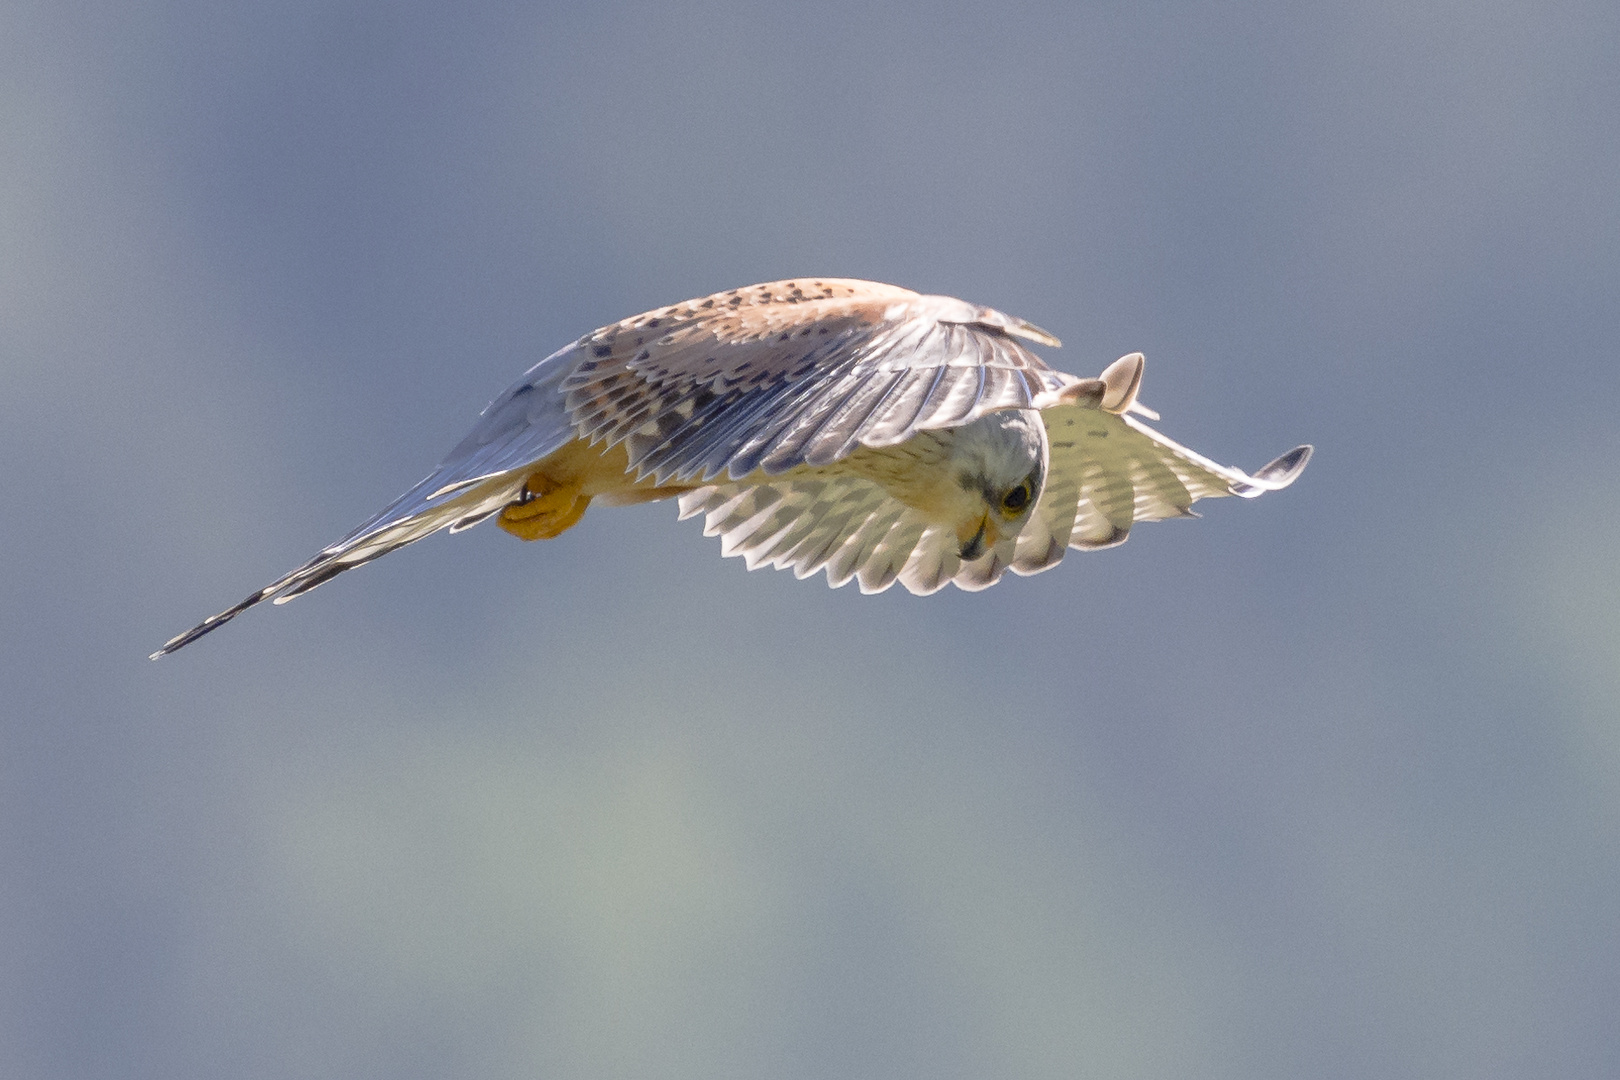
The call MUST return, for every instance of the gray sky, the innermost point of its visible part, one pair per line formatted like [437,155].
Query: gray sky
[1323,785]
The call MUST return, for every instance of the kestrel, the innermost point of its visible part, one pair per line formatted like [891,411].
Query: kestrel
[818,424]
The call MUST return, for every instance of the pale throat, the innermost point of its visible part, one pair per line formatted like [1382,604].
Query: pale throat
[952,477]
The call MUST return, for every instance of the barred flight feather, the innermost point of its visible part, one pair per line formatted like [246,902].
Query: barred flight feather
[846,526]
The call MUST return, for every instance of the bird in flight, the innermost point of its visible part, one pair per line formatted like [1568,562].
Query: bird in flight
[818,424]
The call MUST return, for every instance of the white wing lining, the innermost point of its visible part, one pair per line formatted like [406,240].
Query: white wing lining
[845,526]
[1108,471]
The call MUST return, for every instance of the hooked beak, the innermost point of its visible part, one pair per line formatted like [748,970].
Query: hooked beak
[981,541]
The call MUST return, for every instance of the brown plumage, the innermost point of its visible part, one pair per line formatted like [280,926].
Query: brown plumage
[818,424]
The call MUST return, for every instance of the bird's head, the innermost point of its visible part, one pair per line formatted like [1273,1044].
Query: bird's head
[998,463]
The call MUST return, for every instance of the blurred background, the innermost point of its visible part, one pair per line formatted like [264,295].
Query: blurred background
[1322,785]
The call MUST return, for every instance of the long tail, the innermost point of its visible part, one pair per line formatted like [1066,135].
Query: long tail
[421,511]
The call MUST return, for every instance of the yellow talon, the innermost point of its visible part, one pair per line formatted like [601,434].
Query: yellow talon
[550,512]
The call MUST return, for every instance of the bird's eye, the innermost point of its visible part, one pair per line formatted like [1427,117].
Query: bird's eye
[1016,499]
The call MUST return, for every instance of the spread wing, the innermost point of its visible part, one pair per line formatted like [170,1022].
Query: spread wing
[1109,470]
[1106,470]
[765,378]
[797,373]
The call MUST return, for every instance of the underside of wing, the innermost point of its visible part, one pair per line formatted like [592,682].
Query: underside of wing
[1108,471]
[844,525]
[480,476]
[793,373]
[413,516]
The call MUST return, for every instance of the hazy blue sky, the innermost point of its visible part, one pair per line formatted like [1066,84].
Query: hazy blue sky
[1323,785]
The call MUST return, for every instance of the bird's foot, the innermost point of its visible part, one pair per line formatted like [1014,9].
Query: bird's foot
[544,510]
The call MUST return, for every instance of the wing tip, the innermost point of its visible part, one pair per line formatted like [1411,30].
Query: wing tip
[1030,332]
[1285,469]
[1276,474]
[208,625]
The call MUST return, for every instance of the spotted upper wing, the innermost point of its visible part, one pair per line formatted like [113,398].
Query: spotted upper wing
[797,373]
[767,377]
[1109,470]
